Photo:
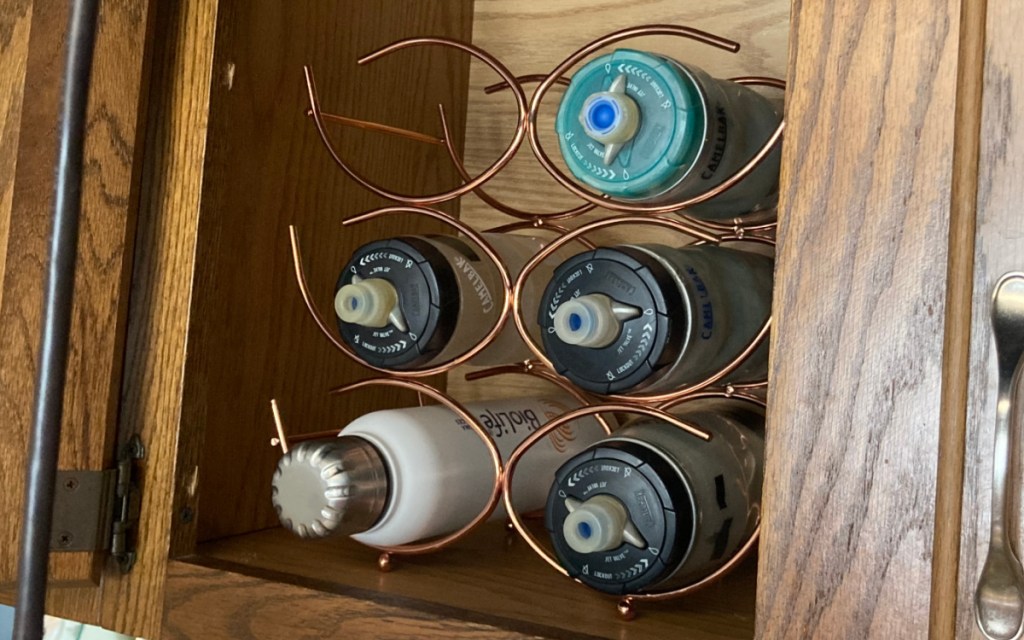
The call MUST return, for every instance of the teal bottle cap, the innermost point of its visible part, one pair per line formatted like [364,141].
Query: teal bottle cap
[630,124]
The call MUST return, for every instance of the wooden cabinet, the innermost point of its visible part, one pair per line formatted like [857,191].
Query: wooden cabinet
[188,320]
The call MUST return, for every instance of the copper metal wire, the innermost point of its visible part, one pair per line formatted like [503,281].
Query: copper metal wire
[537,370]
[756,227]
[539,224]
[376,126]
[456,160]
[487,174]
[524,79]
[281,439]
[741,554]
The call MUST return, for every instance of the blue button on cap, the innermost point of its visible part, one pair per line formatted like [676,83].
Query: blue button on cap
[602,115]
[584,530]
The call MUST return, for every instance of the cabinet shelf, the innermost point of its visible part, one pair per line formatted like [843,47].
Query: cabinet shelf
[491,578]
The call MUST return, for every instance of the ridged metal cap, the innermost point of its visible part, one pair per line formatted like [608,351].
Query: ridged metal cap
[330,487]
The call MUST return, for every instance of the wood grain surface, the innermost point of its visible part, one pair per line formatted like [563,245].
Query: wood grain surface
[860,301]
[104,248]
[999,248]
[160,294]
[160,297]
[250,338]
[532,36]
[494,575]
[15,26]
[238,607]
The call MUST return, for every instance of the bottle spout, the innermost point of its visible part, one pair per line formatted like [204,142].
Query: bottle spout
[599,524]
[611,117]
[593,320]
[370,302]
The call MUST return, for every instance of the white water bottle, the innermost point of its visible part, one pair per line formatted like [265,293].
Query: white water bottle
[401,475]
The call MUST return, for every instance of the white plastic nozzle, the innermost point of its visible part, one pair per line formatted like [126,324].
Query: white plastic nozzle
[599,524]
[368,303]
[587,321]
[611,117]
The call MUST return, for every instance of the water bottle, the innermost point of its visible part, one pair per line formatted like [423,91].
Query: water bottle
[401,475]
[654,508]
[643,127]
[414,302]
[651,318]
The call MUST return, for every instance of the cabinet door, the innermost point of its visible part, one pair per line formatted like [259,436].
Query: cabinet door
[84,585]
[861,310]
[998,248]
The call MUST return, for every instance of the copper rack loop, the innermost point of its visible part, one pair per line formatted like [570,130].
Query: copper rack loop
[537,370]
[487,198]
[741,554]
[688,391]
[487,174]
[376,126]
[680,226]
[539,224]
[525,79]
[505,308]
[492,449]
[539,434]
[670,223]
[488,250]
[737,223]
[620,205]
[756,220]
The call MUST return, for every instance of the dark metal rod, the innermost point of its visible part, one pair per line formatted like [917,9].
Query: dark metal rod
[44,443]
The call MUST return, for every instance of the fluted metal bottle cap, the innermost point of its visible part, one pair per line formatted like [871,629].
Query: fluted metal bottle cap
[330,487]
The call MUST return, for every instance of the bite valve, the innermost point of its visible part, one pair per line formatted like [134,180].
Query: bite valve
[372,302]
[593,320]
[599,524]
[611,117]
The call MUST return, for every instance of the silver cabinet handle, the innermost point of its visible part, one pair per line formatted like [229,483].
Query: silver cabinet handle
[999,599]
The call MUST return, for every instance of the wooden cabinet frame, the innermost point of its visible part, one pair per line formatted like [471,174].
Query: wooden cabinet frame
[901,125]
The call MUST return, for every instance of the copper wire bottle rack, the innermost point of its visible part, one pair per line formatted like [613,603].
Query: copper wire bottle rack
[758,227]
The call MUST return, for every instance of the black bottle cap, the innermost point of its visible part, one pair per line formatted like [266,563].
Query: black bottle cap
[428,295]
[659,505]
[645,343]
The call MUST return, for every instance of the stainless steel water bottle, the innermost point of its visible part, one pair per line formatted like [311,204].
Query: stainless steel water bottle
[400,475]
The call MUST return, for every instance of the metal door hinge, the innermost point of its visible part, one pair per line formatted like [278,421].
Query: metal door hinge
[98,510]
